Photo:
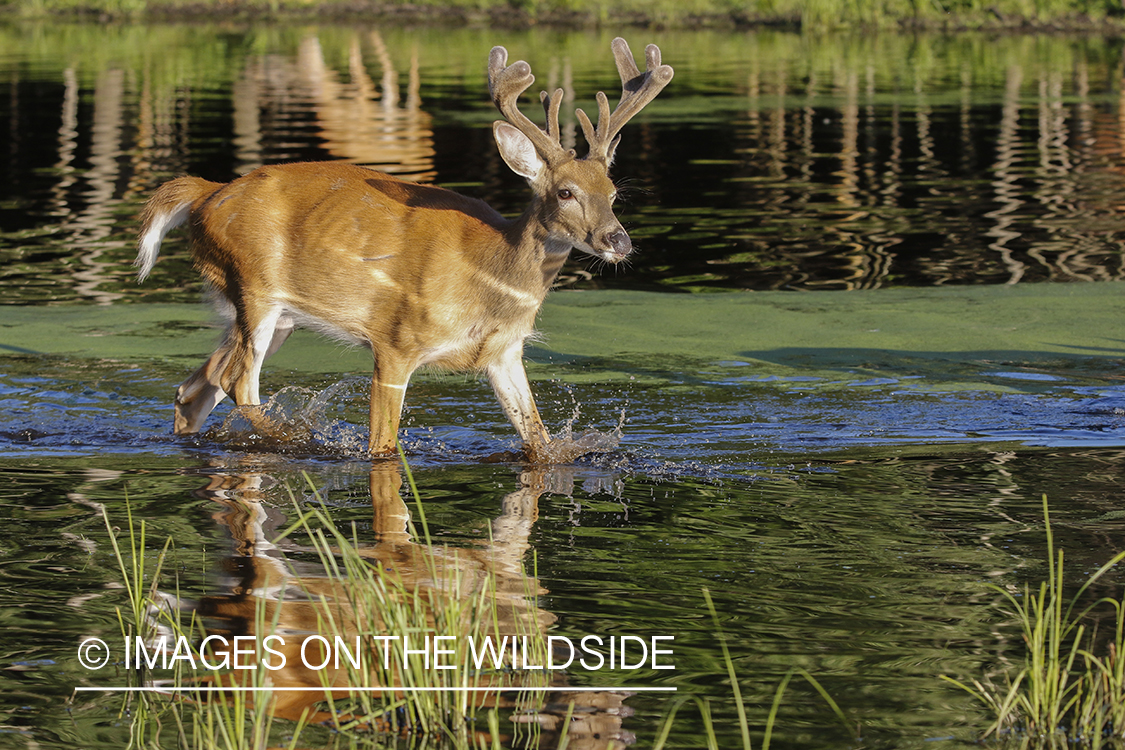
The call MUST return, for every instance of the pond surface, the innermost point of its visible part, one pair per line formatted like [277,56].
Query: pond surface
[914,248]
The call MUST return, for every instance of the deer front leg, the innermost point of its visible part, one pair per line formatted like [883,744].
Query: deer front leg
[509,380]
[388,388]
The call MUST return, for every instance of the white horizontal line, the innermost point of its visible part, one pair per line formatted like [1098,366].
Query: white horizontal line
[244,689]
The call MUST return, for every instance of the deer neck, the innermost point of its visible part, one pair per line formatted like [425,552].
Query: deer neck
[536,252]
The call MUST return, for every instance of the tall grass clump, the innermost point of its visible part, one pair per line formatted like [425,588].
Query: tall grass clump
[379,602]
[134,570]
[1069,688]
[177,710]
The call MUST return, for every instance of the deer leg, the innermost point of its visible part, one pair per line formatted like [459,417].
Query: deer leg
[233,368]
[265,338]
[509,380]
[281,331]
[202,392]
[282,326]
[511,530]
[388,389]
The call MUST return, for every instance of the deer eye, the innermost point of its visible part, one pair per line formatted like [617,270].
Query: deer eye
[565,195]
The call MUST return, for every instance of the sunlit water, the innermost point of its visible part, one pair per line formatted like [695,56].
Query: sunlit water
[844,471]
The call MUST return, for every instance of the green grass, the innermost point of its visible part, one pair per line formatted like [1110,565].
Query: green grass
[357,594]
[1069,689]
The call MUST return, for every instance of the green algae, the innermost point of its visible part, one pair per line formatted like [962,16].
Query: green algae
[944,334]
[1031,323]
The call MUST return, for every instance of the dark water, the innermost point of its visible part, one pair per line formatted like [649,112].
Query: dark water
[844,459]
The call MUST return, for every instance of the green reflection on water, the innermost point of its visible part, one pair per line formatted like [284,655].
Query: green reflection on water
[871,574]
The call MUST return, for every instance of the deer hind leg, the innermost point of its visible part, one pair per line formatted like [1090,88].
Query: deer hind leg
[234,368]
[281,331]
[198,396]
[202,392]
[260,336]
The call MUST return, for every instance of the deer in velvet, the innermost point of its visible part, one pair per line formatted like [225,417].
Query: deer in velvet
[419,274]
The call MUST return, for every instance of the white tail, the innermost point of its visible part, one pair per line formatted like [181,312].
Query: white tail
[148,248]
[420,275]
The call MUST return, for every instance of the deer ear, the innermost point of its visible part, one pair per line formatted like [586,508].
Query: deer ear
[612,149]
[518,151]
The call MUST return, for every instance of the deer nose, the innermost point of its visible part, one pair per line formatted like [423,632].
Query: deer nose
[619,243]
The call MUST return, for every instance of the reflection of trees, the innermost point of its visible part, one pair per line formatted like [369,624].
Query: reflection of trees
[90,227]
[145,121]
[1006,175]
[843,163]
[362,123]
[356,121]
[942,167]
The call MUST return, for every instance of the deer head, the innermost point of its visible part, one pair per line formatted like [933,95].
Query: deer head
[575,194]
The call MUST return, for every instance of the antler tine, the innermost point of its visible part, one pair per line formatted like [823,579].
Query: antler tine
[551,105]
[626,65]
[637,90]
[593,136]
[505,85]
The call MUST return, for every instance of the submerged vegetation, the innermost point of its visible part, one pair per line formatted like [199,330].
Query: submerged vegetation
[817,15]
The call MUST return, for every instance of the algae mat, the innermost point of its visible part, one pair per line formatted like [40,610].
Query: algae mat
[1034,326]
[1029,323]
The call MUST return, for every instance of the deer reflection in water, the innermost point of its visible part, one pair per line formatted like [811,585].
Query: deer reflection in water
[274,583]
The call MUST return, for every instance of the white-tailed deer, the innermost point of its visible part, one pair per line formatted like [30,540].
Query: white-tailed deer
[421,275]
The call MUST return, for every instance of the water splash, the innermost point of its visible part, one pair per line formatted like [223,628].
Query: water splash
[566,447]
[305,421]
[296,420]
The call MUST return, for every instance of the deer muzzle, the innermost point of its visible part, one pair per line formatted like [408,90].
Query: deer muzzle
[617,245]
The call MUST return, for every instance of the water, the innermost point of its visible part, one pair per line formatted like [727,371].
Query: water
[844,457]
